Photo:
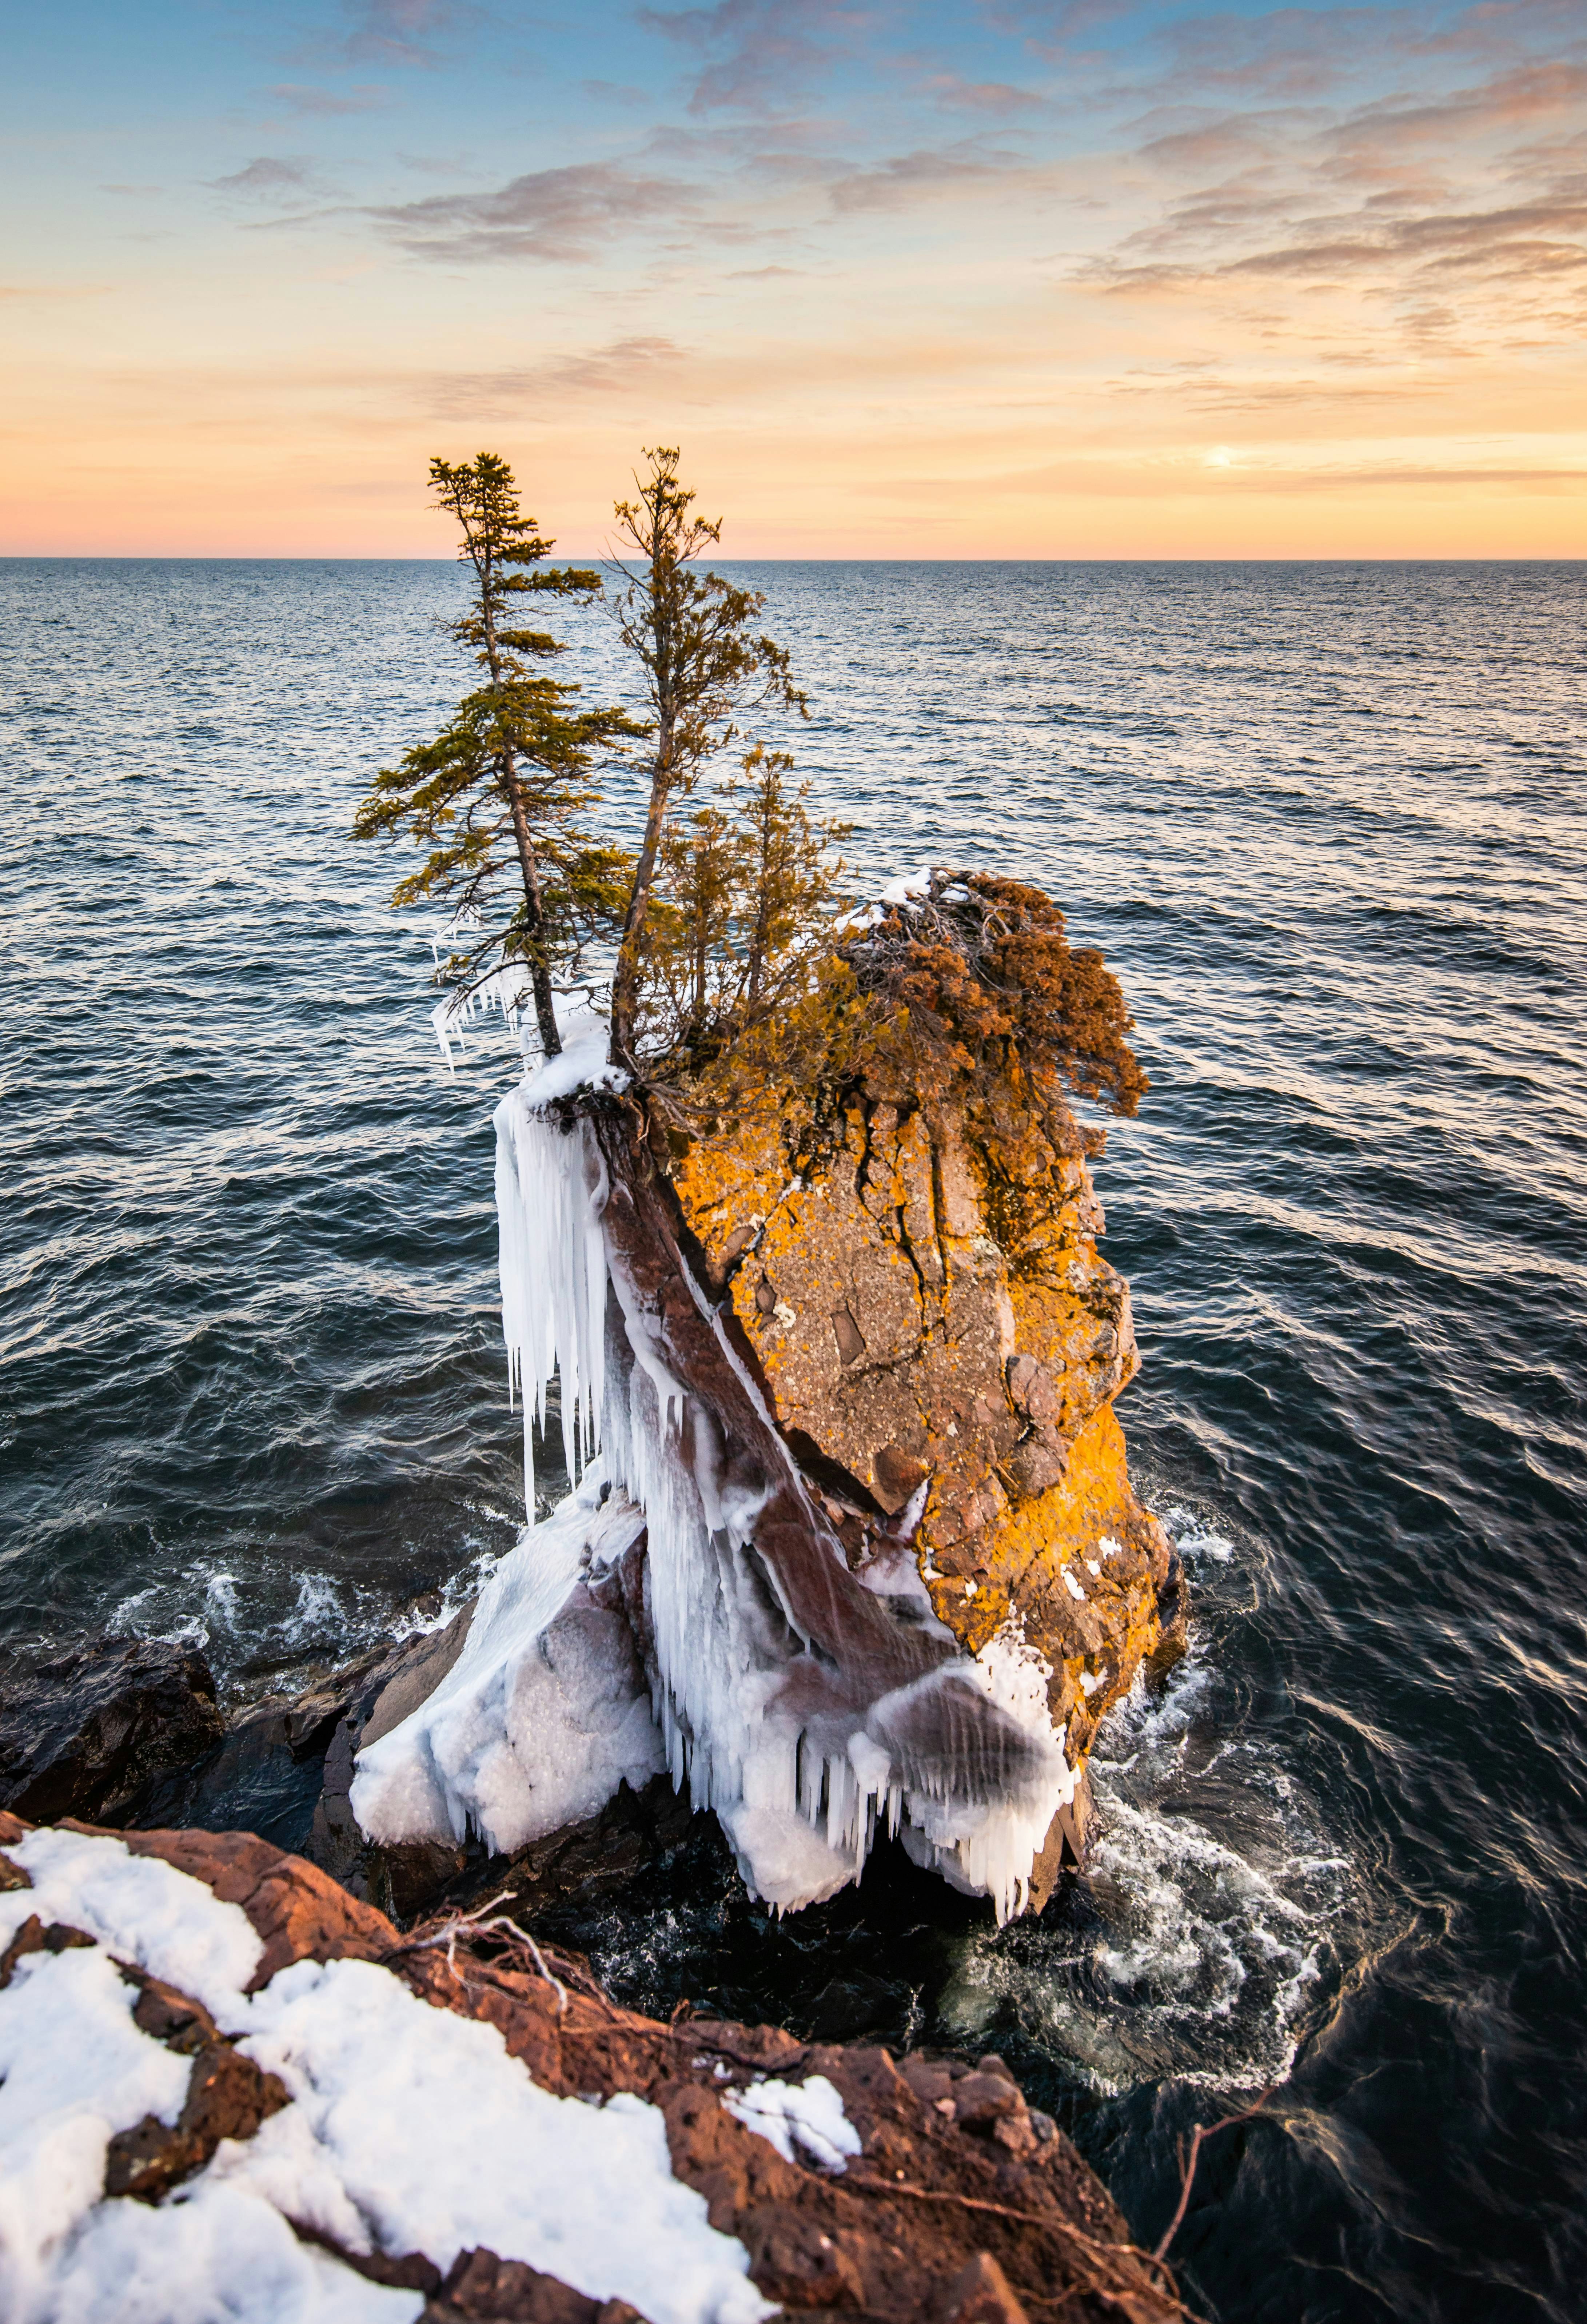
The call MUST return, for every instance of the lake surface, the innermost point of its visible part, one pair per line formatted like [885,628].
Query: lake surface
[1329,823]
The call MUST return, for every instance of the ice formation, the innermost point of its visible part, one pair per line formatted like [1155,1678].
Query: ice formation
[409,2129]
[807,1706]
[544,1713]
[552,1262]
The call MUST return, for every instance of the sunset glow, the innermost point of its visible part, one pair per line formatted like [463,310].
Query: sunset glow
[1036,278]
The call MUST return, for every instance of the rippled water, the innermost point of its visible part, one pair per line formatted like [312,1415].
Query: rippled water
[1330,824]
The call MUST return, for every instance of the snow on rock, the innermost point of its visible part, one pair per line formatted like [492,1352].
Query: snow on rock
[74,2069]
[410,2130]
[419,2123]
[144,1910]
[210,2255]
[543,1714]
[808,2114]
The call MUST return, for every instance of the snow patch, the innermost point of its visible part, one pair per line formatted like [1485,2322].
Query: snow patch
[808,2114]
[409,2129]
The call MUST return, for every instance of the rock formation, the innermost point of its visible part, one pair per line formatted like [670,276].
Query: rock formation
[859,1540]
[86,1731]
[808,2176]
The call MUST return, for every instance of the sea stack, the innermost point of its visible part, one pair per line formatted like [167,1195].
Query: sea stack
[855,1547]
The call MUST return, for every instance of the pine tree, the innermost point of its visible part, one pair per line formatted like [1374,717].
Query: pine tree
[498,797]
[742,909]
[694,635]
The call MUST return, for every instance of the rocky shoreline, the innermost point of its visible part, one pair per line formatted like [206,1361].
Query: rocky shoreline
[852,1570]
[917,2188]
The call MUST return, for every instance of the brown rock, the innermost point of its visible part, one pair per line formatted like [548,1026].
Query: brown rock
[977,1341]
[83,1732]
[481,2288]
[297,1909]
[955,2171]
[228,2096]
[980,2295]
[29,1939]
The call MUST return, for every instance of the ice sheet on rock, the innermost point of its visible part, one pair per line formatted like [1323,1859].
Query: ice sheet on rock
[989,1850]
[544,1713]
[808,2114]
[409,2129]
[801,1808]
[802,1818]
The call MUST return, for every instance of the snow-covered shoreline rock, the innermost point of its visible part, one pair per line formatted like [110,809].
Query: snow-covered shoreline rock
[456,2126]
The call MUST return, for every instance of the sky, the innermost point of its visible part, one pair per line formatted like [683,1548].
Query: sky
[1004,278]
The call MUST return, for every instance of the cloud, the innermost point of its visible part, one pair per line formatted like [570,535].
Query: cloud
[998,98]
[270,178]
[549,214]
[1053,27]
[1437,216]
[1522,242]
[756,53]
[619,366]
[907,177]
[299,98]
[407,34]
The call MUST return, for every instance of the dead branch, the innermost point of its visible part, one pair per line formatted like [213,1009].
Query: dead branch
[1189,2156]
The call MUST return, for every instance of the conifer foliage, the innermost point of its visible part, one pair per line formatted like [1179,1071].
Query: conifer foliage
[705,665]
[746,892]
[499,796]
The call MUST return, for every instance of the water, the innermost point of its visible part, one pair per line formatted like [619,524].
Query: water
[1330,825]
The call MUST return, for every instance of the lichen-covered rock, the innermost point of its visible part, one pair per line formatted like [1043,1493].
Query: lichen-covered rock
[941,1343]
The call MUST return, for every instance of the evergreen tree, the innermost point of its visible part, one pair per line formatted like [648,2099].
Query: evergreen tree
[498,797]
[742,909]
[694,635]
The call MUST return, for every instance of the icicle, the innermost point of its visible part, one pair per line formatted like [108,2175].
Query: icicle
[504,989]
[553,1257]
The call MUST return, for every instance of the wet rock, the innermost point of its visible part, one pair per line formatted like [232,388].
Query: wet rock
[84,1733]
[266,1773]
[587,1861]
[405,1880]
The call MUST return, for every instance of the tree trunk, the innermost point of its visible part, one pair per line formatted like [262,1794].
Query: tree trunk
[545,1006]
[625,981]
